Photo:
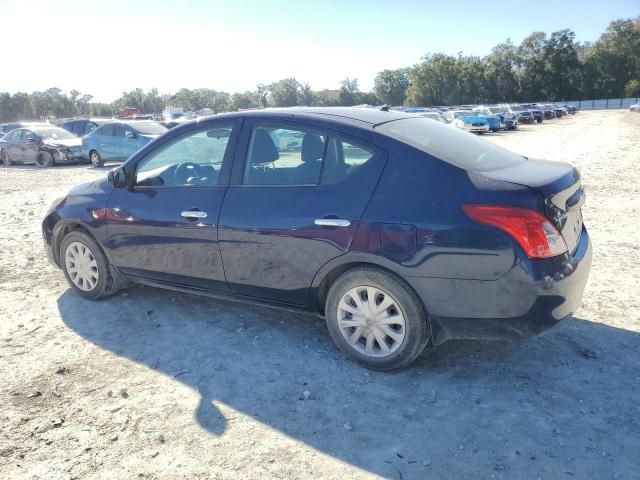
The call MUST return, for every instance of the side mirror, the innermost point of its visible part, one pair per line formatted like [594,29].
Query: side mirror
[30,140]
[117,178]
[130,134]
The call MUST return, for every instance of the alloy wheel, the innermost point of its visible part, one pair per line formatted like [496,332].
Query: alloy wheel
[371,321]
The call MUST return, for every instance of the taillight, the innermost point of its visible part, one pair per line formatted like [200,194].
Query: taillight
[535,233]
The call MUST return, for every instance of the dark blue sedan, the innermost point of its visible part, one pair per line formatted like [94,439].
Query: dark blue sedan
[398,229]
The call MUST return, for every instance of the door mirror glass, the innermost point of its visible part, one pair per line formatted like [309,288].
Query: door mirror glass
[117,178]
[29,139]
[130,134]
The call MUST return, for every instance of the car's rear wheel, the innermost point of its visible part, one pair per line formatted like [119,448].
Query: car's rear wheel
[96,159]
[44,159]
[85,266]
[376,319]
[6,160]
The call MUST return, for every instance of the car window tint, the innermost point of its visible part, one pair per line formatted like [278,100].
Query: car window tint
[78,128]
[105,130]
[450,144]
[284,156]
[191,160]
[118,131]
[90,127]
[343,159]
[15,135]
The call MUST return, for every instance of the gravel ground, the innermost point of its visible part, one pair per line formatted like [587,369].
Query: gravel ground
[156,384]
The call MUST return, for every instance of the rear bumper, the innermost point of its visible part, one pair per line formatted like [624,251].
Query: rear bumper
[531,298]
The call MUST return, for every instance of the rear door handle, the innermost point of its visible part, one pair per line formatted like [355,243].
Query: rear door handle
[194,214]
[331,222]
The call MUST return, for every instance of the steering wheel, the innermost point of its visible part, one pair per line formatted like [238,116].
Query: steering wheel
[186,171]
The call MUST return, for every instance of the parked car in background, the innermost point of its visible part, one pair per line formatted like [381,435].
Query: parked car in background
[82,126]
[399,230]
[559,111]
[494,121]
[635,107]
[118,140]
[524,115]
[508,120]
[538,114]
[7,127]
[42,144]
[547,112]
[572,109]
[469,121]
[128,112]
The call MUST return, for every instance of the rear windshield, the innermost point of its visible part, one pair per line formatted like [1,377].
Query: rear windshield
[450,144]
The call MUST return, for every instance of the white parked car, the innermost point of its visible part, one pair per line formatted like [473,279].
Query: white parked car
[635,108]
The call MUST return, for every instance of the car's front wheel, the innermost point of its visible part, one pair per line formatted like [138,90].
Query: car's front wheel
[85,266]
[376,319]
[6,160]
[96,159]
[44,159]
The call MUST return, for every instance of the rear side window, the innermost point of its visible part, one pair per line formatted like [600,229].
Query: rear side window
[450,144]
[343,159]
[284,156]
[105,130]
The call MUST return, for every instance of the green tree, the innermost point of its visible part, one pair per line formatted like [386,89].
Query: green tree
[349,93]
[285,92]
[562,65]
[307,96]
[500,69]
[390,86]
[614,59]
[632,88]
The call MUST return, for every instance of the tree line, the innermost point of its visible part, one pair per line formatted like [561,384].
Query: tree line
[551,68]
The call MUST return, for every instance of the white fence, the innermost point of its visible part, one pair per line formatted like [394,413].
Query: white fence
[603,104]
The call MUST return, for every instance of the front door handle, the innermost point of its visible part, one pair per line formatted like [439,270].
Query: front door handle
[331,222]
[196,214]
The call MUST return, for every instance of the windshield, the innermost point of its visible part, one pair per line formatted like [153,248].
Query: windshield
[53,133]
[452,145]
[464,114]
[497,110]
[148,128]
[516,108]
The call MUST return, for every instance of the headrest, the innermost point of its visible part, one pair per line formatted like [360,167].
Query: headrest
[312,147]
[263,150]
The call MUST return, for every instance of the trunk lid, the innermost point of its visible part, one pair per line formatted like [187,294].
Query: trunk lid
[561,187]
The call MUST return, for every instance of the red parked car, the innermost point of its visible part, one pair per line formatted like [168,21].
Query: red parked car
[128,112]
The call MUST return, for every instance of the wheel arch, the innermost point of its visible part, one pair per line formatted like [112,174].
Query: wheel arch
[330,273]
[62,229]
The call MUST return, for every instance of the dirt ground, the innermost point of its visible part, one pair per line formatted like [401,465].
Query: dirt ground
[156,384]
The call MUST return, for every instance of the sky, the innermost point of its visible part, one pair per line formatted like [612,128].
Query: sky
[106,47]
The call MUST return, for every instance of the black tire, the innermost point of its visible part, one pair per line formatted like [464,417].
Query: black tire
[95,159]
[539,120]
[44,160]
[105,285]
[417,332]
[6,160]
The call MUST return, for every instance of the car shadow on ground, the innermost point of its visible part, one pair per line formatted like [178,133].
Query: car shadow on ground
[545,406]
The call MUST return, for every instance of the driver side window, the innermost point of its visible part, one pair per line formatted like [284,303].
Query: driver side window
[194,159]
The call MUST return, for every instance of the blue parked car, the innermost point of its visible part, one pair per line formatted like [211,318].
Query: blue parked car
[399,230]
[469,121]
[118,140]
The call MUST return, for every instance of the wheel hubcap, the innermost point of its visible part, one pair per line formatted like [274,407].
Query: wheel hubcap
[371,321]
[81,266]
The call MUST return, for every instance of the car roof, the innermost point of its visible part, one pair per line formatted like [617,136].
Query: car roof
[362,115]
